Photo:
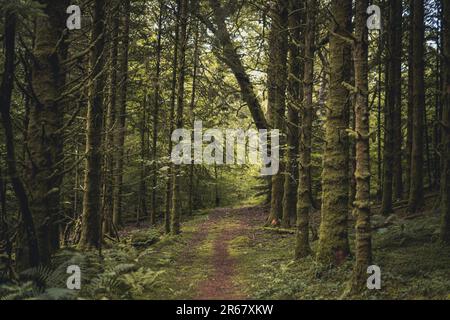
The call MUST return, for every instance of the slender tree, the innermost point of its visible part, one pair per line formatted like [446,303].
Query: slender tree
[392,114]
[277,75]
[111,122]
[361,211]
[409,136]
[121,115]
[192,105]
[445,171]
[172,122]
[333,237]
[232,59]
[155,115]
[44,136]
[294,98]
[90,230]
[304,204]
[31,257]
[396,17]
[416,196]
[181,73]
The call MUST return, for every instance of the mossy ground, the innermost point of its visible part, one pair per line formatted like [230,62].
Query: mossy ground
[413,263]
[259,262]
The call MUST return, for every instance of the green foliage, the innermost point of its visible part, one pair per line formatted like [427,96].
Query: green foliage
[40,283]
[144,238]
[142,280]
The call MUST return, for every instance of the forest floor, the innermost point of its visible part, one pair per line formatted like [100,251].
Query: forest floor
[227,254]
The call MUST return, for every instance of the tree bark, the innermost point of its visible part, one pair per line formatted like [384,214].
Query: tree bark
[30,253]
[294,98]
[91,228]
[361,209]
[397,19]
[277,76]
[156,107]
[176,175]
[121,117]
[172,123]
[45,139]
[445,171]
[392,114]
[304,205]
[111,124]
[192,115]
[416,197]
[333,238]
[232,59]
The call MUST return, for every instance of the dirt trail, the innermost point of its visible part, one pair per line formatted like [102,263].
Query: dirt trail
[219,285]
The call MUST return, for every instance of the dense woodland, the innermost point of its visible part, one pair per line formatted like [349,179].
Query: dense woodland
[87,115]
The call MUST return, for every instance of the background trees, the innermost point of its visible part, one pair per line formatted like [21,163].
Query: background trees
[102,102]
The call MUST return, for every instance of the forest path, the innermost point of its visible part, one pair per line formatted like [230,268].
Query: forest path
[224,226]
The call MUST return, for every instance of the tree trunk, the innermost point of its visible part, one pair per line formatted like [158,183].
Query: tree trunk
[156,106]
[416,196]
[409,137]
[121,118]
[29,254]
[295,98]
[192,115]
[111,124]
[333,239]
[91,229]
[142,210]
[363,247]
[176,175]
[233,60]
[397,18]
[445,171]
[45,139]
[172,123]
[392,140]
[277,76]
[304,205]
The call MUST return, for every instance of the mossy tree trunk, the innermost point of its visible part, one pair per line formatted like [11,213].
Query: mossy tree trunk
[44,137]
[304,204]
[176,174]
[121,116]
[29,256]
[410,107]
[294,100]
[416,196]
[168,204]
[333,236]
[111,123]
[392,113]
[155,116]
[445,171]
[232,58]
[192,105]
[277,80]
[363,247]
[396,17]
[91,229]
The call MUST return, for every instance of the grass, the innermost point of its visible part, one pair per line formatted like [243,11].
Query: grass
[413,263]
